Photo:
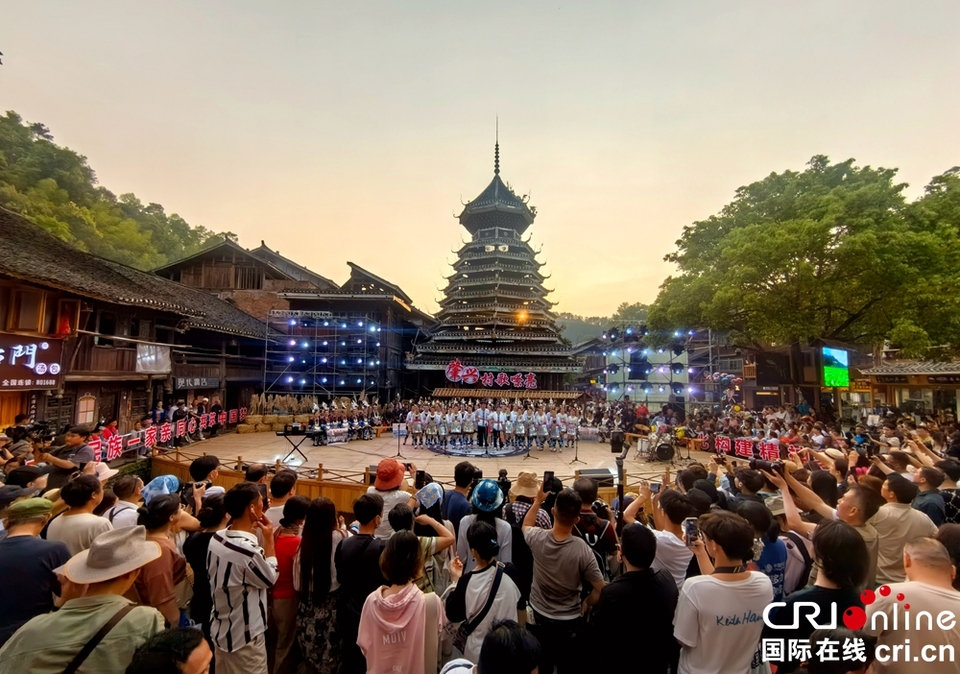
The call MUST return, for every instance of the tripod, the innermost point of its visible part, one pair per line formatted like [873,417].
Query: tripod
[400,427]
[528,455]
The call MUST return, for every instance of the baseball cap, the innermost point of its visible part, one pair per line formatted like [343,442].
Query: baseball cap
[24,475]
[10,493]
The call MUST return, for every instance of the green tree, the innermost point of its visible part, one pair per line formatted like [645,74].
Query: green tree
[56,188]
[833,252]
[630,313]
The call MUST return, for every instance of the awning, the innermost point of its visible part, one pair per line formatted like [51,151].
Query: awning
[524,394]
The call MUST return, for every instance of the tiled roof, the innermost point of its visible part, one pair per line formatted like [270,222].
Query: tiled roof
[916,368]
[524,394]
[497,196]
[30,254]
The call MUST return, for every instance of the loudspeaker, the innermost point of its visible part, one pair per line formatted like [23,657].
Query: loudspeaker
[616,441]
[605,477]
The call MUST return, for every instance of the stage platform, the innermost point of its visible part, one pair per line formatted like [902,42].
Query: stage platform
[357,455]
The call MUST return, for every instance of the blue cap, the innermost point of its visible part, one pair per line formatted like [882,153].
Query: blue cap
[487,496]
[159,486]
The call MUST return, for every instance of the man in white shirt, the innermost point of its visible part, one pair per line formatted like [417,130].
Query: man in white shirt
[928,592]
[719,615]
[240,574]
[670,508]
[282,487]
[482,415]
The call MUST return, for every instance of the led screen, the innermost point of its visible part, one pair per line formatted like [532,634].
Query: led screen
[836,367]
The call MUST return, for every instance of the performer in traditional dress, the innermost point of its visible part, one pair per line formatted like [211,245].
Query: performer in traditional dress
[573,424]
[455,423]
[469,426]
[543,428]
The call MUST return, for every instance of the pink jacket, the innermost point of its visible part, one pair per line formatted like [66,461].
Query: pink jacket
[391,632]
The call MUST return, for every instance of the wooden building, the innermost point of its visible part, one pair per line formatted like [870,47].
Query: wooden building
[124,339]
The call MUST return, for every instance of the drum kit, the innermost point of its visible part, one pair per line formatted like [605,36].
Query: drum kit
[664,444]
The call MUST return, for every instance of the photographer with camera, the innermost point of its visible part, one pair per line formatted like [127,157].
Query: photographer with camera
[596,526]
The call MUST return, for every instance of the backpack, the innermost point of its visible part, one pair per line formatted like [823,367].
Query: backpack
[799,562]
[601,559]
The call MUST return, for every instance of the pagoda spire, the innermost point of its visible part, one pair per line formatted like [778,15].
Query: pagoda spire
[496,150]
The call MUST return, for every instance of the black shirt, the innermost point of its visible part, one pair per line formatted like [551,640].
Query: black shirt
[358,569]
[195,551]
[638,606]
[823,597]
[26,566]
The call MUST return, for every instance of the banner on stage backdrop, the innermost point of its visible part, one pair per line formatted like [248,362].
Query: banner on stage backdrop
[336,435]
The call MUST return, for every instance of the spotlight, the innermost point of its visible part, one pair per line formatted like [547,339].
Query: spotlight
[613,368]
[678,349]
[676,388]
[614,334]
[677,368]
[324,380]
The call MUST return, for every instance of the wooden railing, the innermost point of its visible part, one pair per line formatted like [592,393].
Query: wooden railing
[344,487]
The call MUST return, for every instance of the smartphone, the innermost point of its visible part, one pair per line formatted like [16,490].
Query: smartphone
[691,531]
[655,487]
[200,485]
[407,465]
[421,479]
[547,481]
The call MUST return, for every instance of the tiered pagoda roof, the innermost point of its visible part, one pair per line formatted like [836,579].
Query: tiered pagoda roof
[494,313]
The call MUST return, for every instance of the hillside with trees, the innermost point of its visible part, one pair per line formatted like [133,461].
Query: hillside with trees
[56,188]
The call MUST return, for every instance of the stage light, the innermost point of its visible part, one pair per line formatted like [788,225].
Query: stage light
[293,321]
[378,343]
[290,359]
[614,353]
[326,324]
[289,379]
[689,389]
[344,325]
[359,360]
[604,336]
[689,370]
[343,343]
[323,360]
[371,383]
[343,362]
[358,381]
[677,368]
[604,353]
[342,382]
[324,380]
[302,382]
[373,329]
[676,334]
[691,333]
[378,362]
[293,342]
[676,388]
[660,350]
[678,349]
[629,349]
[303,361]
[324,342]
[614,333]
[629,331]
[305,344]
[360,323]
[359,341]
[613,369]
[660,388]
[630,389]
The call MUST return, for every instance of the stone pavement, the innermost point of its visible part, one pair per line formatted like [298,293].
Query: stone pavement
[354,457]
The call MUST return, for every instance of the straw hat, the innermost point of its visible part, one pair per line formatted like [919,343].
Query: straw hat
[527,484]
[112,553]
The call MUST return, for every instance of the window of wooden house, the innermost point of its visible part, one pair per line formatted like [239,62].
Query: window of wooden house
[106,325]
[86,409]
[248,278]
[68,317]
[27,310]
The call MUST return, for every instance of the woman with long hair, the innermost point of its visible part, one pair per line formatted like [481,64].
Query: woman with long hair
[315,579]
[157,583]
[284,600]
[213,517]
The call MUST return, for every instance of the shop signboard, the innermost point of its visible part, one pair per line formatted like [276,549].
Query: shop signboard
[29,362]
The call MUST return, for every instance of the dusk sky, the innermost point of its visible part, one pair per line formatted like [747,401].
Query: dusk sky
[353,130]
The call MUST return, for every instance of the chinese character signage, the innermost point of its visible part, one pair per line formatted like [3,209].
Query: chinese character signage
[197,382]
[29,362]
[457,372]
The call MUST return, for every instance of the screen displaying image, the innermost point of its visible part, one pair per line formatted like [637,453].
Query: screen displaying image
[836,367]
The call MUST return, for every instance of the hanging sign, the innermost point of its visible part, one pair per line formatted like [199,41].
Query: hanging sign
[457,372]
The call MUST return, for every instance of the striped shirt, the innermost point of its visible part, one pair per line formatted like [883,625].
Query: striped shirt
[239,579]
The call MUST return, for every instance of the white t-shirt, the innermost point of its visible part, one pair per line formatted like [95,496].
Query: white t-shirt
[77,531]
[718,624]
[122,515]
[504,606]
[274,514]
[390,499]
[673,556]
[504,538]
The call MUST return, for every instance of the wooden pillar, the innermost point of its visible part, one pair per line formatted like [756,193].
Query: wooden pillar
[320,471]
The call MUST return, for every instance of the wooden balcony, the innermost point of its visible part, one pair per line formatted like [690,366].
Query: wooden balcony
[749,370]
[105,360]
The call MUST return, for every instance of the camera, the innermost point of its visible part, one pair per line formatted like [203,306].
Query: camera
[205,483]
[600,508]
[769,466]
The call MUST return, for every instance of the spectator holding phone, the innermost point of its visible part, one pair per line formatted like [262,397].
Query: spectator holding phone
[709,624]
[670,509]
[391,486]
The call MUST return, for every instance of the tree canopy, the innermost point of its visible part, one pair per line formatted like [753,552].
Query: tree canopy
[56,188]
[834,252]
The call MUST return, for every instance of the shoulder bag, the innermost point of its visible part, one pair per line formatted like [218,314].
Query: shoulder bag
[468,626]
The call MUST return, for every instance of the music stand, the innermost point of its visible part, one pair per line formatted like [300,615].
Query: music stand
[291,431]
